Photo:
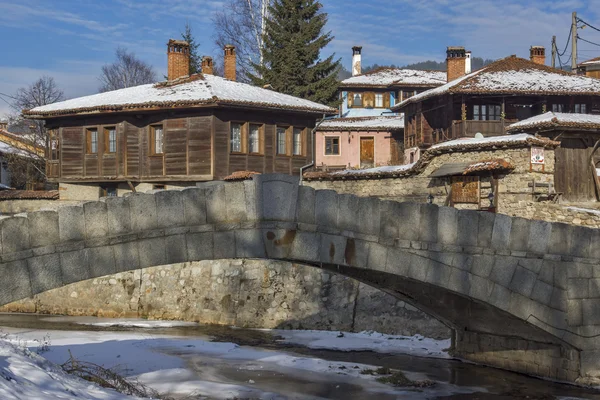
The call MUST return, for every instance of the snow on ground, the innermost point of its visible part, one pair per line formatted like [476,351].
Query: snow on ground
[126,322]
[376,170]
[368,341]
[28,376]
[585,210]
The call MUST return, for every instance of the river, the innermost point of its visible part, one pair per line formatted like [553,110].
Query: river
[195,361]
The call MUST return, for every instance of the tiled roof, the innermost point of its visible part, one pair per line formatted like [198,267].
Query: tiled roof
[11,143]
[513,75]
[552,120]
[385,76]
[453,146]
[593,61]
[381,123]
[197,90]
[240,176]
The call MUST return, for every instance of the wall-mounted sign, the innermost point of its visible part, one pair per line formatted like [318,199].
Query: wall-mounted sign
[537,155]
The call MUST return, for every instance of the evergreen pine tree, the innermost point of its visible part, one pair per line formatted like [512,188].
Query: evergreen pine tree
[195,59]
[293,41]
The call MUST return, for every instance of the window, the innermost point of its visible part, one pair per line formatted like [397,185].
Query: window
[157,140]
[332,145]
[254,139]
[379,100]
[108,191]
[494,113]
[357,100]
[580,108]
[92,141]
[281,140]
[487,112]
[54,145]
[236,138]
[110,140]
[297,148]
[558,108]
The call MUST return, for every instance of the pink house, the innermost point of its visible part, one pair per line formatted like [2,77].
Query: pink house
[361,142]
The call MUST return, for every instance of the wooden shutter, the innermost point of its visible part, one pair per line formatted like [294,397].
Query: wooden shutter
[369,100]
[386,100]
[465,189]
[350,99]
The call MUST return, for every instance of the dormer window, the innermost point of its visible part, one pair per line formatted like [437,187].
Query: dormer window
[379,100]
[357,100]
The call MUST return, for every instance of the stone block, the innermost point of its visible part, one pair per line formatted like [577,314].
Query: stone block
[462,261]
[448,225]
[143,212]
[306,246]
[152,252]
[481,288]
[580,241]
[523,281]
[560,239]
[71,223]
[500,297]
[44,273]
[438,274]
[578,270]
[558,300]
[532,264]
[333,249]
[305,212]
[250,197]
[503,270]
[216,204]
[235,195]
[15,234]
[419,267]
[349,209]
[43,228]
[200,246]
[460,282]
[485,229]
[409,221]
[377,257]
[368,215]
[388,222]
[501,232]
[278,195]
[96,219]
[590,364]
[16,284]
[468,227]
[101,261]
[594,248]
[519,234]
[175,247]
[169,209]
[578,288]
[560,276]
[594,288]
[326,208]
[224,245]
[119,216]
[74,266]
[482,265]
[427,224]
[276,242]
[542,293]
[249,244]
[357,253]
[525,308]
[127,256]
[589,310]
[194,206]
[539,237]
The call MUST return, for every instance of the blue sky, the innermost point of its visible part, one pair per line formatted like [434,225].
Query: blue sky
[71,39]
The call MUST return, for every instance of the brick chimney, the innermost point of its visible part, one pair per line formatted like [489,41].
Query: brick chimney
[356,60]
[230,62]
[537,54]
[207,65]
[178,52]
[456,60]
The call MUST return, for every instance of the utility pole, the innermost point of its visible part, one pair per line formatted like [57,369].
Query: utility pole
[553,51]
[574,43]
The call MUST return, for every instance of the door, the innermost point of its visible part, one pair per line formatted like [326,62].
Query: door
[573,175]
[367,152]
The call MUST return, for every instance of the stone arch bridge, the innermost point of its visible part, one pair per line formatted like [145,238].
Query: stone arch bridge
[519,294]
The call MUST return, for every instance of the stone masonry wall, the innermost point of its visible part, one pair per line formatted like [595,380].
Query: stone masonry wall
[247,293]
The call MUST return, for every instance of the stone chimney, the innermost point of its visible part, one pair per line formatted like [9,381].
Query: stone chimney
[230,61]
[537,54]
[178,52]
[468,67]
[456,60]
[356,60]
[207,65]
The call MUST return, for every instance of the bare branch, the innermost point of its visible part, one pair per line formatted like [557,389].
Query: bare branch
[126,71]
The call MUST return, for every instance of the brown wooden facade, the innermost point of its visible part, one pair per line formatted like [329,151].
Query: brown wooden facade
[196,145]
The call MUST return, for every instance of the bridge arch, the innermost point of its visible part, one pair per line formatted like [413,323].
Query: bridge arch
[513,290]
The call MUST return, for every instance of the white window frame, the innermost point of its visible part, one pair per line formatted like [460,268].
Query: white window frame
[235,142]
[338,137]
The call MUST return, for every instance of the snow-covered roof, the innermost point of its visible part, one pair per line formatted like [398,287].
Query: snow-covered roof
[383,77]
[186,92]
[551,120]
[513,75]
[376,170]
[593,61]
[493,141]
[381,123]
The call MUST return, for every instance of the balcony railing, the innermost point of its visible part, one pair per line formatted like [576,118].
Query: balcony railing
[486,128]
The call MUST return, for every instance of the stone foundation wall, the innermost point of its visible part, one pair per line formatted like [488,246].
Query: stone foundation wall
[515,354]
[246,293]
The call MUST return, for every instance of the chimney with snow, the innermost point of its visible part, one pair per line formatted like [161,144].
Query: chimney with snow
[468,63]
[230,60]
[178,52]
[456,60]
[356,60]
[207,65]
[537,54]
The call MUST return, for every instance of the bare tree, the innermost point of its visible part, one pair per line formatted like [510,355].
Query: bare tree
[126,71]
[242,24]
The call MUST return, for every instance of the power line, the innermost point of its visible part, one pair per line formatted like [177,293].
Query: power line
[587,41]
[586,24]
[568,41]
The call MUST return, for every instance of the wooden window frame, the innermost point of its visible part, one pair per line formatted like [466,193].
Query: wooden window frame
[88,141]
[261,138]
[302,142]
[368,100]
[54,151]
[580,106]
[107,131]
[288,148]
[361,96]
[339,145]
[152,135]
[242,137]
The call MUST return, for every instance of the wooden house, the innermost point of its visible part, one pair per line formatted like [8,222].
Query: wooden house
[491,98]
[175,133]
[577,160]
[590,68]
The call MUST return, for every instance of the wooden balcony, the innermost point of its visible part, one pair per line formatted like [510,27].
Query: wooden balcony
[486,128]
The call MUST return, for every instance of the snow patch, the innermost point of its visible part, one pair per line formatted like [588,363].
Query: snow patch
[365,123]
[398,76]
